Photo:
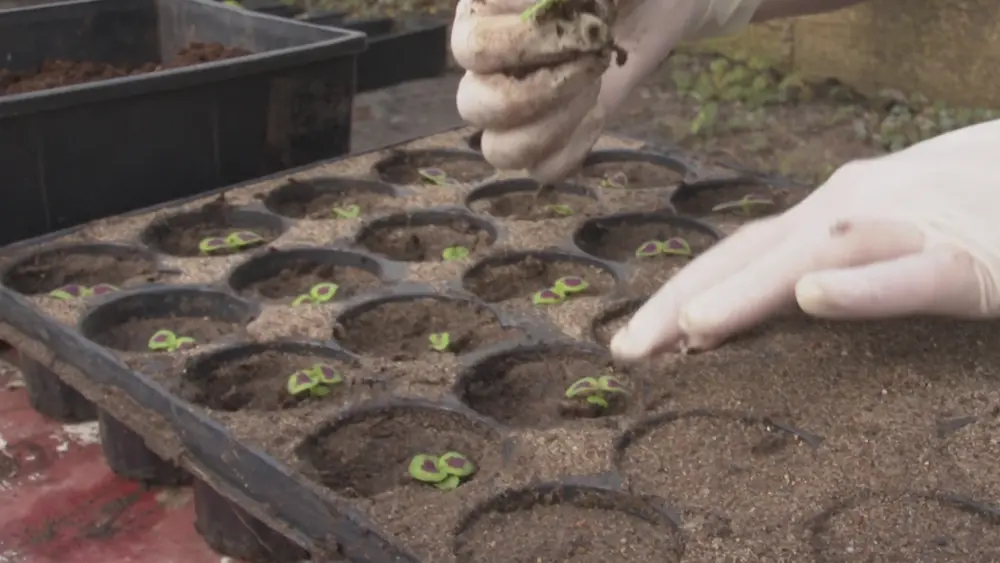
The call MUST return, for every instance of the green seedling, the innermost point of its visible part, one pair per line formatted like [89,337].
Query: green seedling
[236,240]
[73,291]
[675,246]
[440,341]
[167,341]
[547,297]
[538,9]
[596,390]
[319,293]
[347,212]
[445,472]
[317,381]
[454,253]
[436,176]
[560,209]
[747,205]
[618,181]
[568,285]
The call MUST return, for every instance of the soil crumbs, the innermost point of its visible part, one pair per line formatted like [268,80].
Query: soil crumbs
[63,268]
[300,276]
[523,279]
[56,73]
[320,204]
[258,383]
[700,202]
[640,175]
[134,335]
[537,385]
[369,455]
[532,206]
[467,170]
[400,330]
[425,243]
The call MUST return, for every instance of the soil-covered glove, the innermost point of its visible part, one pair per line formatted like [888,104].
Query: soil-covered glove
[912,233]
[534,72]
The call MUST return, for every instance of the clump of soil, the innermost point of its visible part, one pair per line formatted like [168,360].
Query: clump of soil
[302,274]
[528,390]
[404,167]
[303,200]
[521,279]
[640,174]
[369,454]
[699,202]
[258,383]
[535,205]
[52,270]
[425,243]
[133,335]
[400,330]
[566,533]
[607,323]
[54,73]
[904,527]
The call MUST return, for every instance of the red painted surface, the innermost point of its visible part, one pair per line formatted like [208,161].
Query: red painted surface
[59,502]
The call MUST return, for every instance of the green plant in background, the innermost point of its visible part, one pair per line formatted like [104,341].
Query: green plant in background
[436,176]
[439,341]
[597,391]
[319,293]
[347,212]
[446,472]
[675,246]
[317,381]
[73,291]
[747,205]
[167,341]
[453,253]
[237,240]
[559,209]
[617,181]
[560,290]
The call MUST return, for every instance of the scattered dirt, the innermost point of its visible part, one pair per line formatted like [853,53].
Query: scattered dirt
[537,384]
[258,383]
[532,274]
[299,276]
[535,205]
[699,202]
[54,270]
[640,175]
[60,72]
[400,330]
[307,202]
[370,454]
[134,335]
[404,168]
[425,243]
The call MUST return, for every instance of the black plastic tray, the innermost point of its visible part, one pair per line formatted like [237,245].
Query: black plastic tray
[242,493]
[73,154]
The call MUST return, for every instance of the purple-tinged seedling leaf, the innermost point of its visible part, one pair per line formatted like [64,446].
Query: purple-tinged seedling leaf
[454,253]
[582,387]
[69,292]
[212,244]
[163,340]
[323,292]
[676,246]
[326,375]
[649,248]
[243,239]
[184,342]
[347,211]
[547,297]
[611,384]
[440,341]
[449,483]
[103,289]
[617,180]
[300,382]
[302,300]
[568,285]
[598,400]
[425,468]
[454,463]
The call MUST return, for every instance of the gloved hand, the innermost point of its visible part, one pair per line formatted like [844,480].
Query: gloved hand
[541,90]
[912,233]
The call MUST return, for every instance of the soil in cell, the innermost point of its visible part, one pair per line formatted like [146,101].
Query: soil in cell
[463,169]
[637,174]
[55,270]
[302,275]
[321,204]
[702,201]
[134,335]
[425,243]
[536,206]
[524,278]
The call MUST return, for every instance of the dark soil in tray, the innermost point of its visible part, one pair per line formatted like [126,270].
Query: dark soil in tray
[639,174]
[700,201]
[613,319]
[425,243]
[536,206]
[51,271]
[466,169]
[61,72]
[318,204]
[522,279]
[400,330]
[369,455]
[133,336]
[299,277]
[259,383]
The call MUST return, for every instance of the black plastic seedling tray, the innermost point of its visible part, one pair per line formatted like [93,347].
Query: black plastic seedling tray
[80,152]
[265,486]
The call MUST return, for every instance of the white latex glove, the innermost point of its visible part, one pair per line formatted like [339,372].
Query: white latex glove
[536,88]
[913,233]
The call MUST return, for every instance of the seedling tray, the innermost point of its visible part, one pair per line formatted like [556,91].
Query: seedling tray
[269,94]
[766,449]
